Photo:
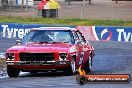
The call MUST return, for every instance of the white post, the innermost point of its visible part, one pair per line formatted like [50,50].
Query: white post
[33,10]
[26,5]
[82,9]
[10,2]
[0,3]
[81,12]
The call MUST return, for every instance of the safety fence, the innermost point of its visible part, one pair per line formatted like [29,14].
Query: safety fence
[92,33]
[99,10]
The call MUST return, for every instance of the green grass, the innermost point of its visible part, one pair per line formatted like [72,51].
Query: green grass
[69,22]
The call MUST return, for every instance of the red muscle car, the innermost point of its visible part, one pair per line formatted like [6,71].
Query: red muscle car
[50,48]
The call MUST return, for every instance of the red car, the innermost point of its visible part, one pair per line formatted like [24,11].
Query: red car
[50,48]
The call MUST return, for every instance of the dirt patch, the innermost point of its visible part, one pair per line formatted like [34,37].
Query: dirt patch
[2,67]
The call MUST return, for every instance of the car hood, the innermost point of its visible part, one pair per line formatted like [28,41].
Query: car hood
[42,47]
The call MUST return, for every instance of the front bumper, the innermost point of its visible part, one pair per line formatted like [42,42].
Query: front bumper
[38,65]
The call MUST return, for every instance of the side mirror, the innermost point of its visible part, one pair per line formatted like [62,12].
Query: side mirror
[18,42]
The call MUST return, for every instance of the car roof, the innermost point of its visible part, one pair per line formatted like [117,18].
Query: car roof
[53,28]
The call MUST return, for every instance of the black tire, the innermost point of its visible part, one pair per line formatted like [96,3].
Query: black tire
[13,72]
[80,79]
[69,70]
[88,65]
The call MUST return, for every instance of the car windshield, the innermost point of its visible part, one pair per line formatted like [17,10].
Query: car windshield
[43,36]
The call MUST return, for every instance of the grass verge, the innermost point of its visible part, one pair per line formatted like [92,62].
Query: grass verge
[69,22]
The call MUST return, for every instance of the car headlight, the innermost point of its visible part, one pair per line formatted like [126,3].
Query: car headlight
[72,49]
[63,56]
[10,56]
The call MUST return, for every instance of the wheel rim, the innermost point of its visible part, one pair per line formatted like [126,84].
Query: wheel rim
[73,66]
[90,62]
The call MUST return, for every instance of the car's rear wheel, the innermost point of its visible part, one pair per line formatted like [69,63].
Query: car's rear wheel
[13,72]
[88,65]
[70,70]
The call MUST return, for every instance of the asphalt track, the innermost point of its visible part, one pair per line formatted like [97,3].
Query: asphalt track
[111,57]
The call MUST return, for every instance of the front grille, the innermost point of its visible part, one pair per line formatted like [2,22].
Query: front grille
[36,56]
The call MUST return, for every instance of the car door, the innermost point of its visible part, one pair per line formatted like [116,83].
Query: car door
[78,46]
[85,49]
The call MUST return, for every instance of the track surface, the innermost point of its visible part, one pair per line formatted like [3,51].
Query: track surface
[111,57]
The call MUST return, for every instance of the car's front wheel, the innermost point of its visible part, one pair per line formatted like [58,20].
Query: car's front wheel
[13,72]
[70,70]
